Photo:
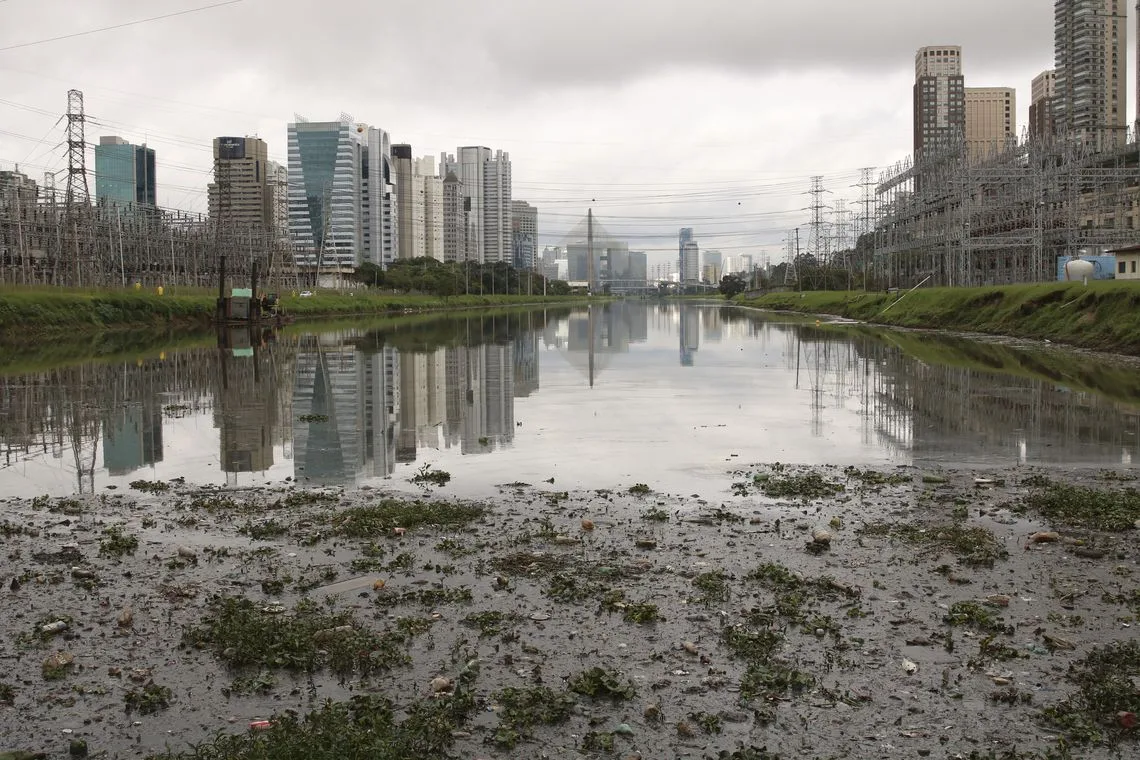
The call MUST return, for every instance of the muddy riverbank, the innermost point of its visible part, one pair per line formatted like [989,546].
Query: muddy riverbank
[794,613]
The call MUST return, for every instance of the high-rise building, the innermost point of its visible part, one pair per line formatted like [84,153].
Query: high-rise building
[713,267]
[524,232]
[239,196]
[429,213]
[1091,48]
[939,99]
[278,181]
[17,190]
[456,212]
[124,173]
[684,236]
[340,194]
[486,180]
[403,170]
[991,120]
[690,264]
[1041,106]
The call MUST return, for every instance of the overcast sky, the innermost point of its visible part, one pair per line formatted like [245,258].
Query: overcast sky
[658,113]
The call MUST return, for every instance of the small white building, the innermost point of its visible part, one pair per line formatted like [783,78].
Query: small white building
[1127,262]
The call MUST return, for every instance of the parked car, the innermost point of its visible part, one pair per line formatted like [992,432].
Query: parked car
[306,293]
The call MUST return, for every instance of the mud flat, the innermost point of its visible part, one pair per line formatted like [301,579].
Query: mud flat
[822,613]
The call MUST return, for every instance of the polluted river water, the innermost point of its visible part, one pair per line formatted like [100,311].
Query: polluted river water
[638,529]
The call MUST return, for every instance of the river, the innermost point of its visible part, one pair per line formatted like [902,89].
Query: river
[674,395]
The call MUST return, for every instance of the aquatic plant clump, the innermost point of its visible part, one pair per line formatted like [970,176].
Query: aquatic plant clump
[242,633]
[1083,507]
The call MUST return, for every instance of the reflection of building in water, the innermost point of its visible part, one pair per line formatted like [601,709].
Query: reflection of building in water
[132,417]
[246,406]
[526,359]
[480,409]
[594,336]
[711,323]
[690,333]
[422,408]
[348,399]
[132,437]
[64,414]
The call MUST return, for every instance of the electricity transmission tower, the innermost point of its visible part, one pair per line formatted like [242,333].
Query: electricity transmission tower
[77,191]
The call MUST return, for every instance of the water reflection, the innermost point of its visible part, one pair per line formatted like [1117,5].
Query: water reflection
[600,389]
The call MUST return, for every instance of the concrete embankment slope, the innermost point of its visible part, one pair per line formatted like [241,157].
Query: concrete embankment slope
[1104,316]
[24,310]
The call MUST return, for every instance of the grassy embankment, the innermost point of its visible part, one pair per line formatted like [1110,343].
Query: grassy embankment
[1104,316]
[24,310]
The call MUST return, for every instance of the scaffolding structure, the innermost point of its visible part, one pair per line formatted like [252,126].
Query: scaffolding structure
[1007,217]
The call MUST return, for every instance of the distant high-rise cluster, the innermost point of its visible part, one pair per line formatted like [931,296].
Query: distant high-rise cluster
[1082,97]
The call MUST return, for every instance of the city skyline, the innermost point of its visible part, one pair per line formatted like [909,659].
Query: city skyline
[795,144]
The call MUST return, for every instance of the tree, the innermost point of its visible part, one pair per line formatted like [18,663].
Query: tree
[558,288]
[369,274]
[732,284]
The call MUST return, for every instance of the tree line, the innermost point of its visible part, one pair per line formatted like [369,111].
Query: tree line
[443,279]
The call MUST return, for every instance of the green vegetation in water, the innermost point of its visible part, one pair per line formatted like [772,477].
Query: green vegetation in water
[977,616]
[655,514]
[427,597]
[598,741]
[363,727]
[427,476]
[380,519]
[149,699]
[713,587]
[491,622]
[265,530]
[307,418]
[243,634]
[972,546]
[875,478]
[1108,683]
[631,612]
[640,489]
[116,542]
[710,724]
[599,682]
[1081,507]
[67,506]
[150,486]
[523,709]
[454,548]
[809,486]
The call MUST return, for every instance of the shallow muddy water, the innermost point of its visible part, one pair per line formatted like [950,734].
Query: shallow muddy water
[595,397]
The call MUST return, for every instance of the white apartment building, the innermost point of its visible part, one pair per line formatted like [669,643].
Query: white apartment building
[486,182]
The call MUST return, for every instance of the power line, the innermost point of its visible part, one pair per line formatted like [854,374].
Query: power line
[119,26]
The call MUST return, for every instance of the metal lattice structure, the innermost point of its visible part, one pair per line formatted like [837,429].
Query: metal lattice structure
[1005,218]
